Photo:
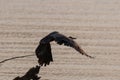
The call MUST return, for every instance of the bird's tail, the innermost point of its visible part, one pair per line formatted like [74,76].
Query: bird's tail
[15,58]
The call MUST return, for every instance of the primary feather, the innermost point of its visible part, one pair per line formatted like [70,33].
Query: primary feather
[43,51]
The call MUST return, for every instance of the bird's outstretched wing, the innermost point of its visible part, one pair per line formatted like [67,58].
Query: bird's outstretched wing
[43,51]
[68,41]
[44,54]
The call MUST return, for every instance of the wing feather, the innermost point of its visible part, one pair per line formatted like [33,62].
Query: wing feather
[44,54]
[67,41]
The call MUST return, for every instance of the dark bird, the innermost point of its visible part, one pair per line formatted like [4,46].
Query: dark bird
[43,51]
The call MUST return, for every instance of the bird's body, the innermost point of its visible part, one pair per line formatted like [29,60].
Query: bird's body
[43,51]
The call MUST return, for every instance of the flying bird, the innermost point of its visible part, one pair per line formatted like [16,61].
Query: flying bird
[43,51]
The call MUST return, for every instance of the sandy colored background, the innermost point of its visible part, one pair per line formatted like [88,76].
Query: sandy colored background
[95,24]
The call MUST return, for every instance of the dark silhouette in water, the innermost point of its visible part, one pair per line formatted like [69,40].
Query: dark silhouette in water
[43,51]
[30,75]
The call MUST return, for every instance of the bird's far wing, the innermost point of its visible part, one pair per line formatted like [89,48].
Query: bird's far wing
[61,39]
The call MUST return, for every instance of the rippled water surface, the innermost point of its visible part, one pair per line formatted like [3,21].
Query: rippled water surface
[95,24]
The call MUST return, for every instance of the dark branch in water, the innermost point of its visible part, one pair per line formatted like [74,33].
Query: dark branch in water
[15,58]
[32,74]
